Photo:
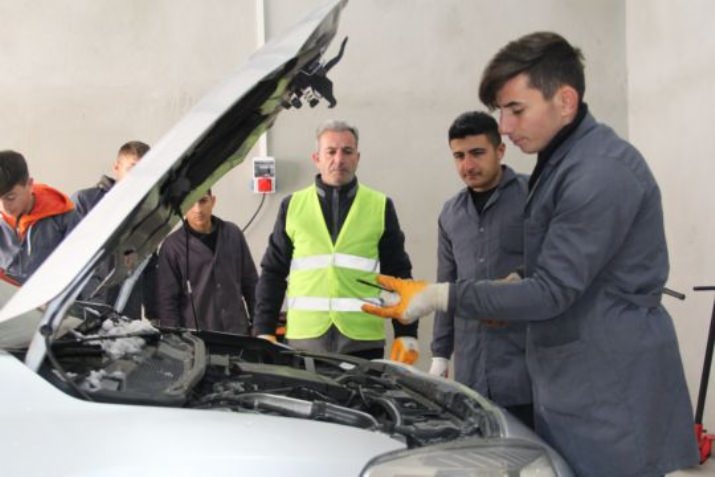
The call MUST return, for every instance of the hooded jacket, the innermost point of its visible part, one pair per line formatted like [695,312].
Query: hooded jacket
[26,242]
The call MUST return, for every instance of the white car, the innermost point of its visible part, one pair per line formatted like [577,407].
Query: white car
[87,392]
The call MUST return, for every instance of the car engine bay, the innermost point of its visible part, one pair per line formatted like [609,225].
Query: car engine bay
[131,362]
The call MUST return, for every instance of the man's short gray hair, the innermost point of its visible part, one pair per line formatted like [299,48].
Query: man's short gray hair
[336,125]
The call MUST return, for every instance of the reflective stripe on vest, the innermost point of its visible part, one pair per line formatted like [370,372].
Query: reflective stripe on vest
[323,288]
[341,260]
[311,303]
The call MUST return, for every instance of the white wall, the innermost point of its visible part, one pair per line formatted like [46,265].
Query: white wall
[671,67]
[81,77]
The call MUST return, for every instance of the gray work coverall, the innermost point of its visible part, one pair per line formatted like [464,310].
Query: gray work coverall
[609,387]
[477,246]
[223,281]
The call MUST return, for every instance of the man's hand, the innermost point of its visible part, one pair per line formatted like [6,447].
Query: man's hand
[405,349]
[439,367]
[511,278]
[271,338]
[416,298]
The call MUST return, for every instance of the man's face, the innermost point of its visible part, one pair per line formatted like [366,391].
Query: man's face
[123,164]
[478,161]
[337,157]
[18,200]
[526,117]
[199,215]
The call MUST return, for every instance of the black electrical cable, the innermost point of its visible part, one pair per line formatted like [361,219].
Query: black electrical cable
[189,290]
[250,221]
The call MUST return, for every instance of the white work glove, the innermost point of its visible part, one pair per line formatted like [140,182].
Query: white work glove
[271,338]
[417,298]
[439,367]
[405,349]
[513,277]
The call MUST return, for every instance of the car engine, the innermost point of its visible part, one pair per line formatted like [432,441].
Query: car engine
[217,371]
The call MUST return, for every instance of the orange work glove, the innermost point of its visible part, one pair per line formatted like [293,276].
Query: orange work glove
[416,298]
[405,349]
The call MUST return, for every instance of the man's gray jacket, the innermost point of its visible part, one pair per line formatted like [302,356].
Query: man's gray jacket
[223,282]
[609,387]
[478,246]
[142,293]
[85,199]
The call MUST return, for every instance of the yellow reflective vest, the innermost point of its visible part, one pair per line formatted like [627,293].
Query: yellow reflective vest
[322,285]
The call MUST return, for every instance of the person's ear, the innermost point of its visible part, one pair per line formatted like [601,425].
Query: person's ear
[501,148]
[315,157]
[568,100]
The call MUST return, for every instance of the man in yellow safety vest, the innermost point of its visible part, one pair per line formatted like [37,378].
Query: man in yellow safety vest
[327,238]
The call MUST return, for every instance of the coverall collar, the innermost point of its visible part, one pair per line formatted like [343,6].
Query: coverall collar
[560,137]
[349,189]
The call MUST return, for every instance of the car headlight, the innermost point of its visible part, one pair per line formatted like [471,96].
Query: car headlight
[464,458]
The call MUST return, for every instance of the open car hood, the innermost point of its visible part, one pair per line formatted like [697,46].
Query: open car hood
[136,215]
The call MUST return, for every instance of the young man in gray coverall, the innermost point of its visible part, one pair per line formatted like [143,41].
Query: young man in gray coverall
[602,354]
[481,236]
[206,277]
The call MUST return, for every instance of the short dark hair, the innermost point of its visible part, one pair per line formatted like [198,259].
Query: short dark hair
[548,60]
[13,171]
[134,148]
[474,123]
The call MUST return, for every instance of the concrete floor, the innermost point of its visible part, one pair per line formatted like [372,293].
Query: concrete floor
[708,468]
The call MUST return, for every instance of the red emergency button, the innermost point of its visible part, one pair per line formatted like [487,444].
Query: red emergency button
[264,184]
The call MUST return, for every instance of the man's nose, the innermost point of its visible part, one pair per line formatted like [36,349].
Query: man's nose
[469,162]
[505,123]
[339,157]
